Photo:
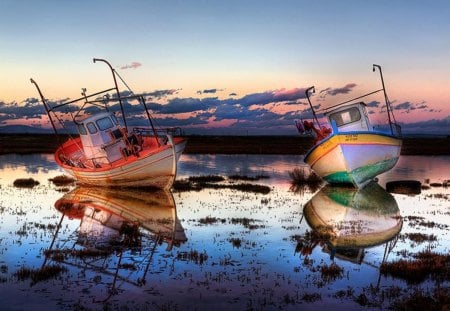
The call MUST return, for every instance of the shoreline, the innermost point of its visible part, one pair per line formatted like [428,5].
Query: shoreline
[284,145]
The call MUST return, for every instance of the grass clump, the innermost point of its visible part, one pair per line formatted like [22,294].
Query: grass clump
[302,178]
[208,220]
[197,183]
[236,242]
[62,180]
[61,254]
[248,178]
[207,178]
[246,222]
[311,297]
[420,237]
[42,274]
[185,185]
[25,183]
[193,255]
[331,272]
[262,189]
[439,299]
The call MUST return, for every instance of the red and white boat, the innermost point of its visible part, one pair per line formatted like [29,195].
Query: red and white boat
[107,151]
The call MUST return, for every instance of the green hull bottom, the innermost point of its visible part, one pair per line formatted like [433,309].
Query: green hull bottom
[360,176]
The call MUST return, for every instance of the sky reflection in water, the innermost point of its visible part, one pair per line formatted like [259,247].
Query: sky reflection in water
[220,248]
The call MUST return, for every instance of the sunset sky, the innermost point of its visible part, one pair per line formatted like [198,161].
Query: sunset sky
[229,67]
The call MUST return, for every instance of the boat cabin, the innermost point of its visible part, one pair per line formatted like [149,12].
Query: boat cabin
[102,138]
[349,118]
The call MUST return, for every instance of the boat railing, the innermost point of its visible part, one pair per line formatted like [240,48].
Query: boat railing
[91,163]
[145,131]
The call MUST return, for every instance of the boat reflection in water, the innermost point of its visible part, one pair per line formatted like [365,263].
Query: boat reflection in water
[119,230]
[344,221]
[107,214]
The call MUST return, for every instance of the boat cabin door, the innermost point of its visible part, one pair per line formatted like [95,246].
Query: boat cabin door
[102,138]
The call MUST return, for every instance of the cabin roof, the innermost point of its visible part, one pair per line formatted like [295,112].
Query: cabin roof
[327,111]
[96,116]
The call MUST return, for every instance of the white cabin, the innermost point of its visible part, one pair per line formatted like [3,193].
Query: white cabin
[102,138]
[349,118]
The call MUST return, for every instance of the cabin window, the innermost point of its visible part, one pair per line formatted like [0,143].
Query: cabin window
[81,129]
[91,128]
[104,123]
[346,116]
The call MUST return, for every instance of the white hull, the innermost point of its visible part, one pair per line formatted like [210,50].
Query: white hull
[157,170]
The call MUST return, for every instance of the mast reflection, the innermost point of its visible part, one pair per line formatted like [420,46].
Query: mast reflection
[118,234]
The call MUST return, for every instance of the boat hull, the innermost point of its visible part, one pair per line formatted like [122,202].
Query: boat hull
[103,212]
[352,218]
[354,158]
[152,168]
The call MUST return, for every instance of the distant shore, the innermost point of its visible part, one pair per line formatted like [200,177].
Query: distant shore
[47,143]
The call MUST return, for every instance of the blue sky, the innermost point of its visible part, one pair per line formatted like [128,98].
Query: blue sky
[233,50]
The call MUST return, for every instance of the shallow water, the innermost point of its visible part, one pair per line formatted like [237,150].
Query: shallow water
[216,248]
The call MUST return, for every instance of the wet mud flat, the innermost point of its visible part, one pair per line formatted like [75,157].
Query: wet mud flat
[244,250]
[46,143]
[253,240]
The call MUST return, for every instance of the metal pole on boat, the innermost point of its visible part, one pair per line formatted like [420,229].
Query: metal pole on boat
[45,106]
[149,117]
[310,105]
[117,88]
[388,106]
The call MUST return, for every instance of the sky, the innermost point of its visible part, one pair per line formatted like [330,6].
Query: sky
[230,67]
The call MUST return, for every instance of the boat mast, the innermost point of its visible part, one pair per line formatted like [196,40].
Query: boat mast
[309,101]
[45,106]
[388,106]
[117,88]
[141,98]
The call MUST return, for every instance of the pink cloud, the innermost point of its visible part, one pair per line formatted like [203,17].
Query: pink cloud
[292,94]
[133,65]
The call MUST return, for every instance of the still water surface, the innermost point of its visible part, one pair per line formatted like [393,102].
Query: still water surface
[215,248]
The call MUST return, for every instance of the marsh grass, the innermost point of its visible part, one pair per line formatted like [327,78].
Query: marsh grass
[421,221]
[197,183]
[311,297]
[420,237]
[331,272]
[439,299]
[236,242]
[408,187]
[312,238]
[423,265]
[248,178]
[38,275]
[246,222]
[206,179]
[208,220]
[262,189]
[194,256]
[302,179]
[61,254]
[185,186]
